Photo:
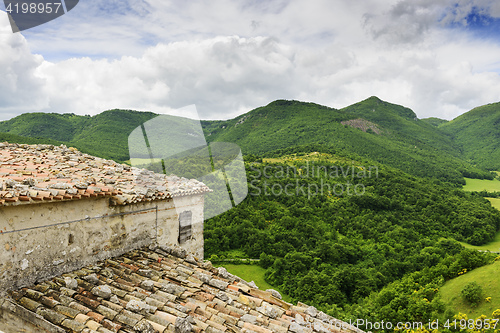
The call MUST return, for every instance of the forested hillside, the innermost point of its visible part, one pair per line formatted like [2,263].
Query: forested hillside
[436,122]
[362,240]
[103,135]
[477,132]
[384,132]
[393,135]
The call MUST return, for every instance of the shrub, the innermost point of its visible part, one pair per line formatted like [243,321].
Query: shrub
[472,293]
[266,260]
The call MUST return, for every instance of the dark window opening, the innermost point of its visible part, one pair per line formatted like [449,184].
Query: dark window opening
[185,230]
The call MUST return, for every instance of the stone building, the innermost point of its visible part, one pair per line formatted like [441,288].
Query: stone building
[61,209]
[88,245]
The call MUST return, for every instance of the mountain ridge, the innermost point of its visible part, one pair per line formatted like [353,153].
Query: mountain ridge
[478,134]
[387,133]
[404,141]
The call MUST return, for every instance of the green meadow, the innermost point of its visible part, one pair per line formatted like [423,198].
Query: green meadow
[253,273]
[142,161]
[487,278]
[495,202]
[479,185]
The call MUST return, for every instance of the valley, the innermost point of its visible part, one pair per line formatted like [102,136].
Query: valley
[401,251]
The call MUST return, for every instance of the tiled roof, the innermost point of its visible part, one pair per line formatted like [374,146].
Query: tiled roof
[154,290]
[37,173]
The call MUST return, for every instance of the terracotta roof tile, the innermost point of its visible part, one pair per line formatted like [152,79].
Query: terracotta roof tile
[121,295]
[37,173]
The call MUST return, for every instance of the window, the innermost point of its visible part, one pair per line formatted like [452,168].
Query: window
[185,230]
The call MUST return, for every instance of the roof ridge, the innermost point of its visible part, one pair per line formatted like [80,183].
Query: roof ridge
[44,173]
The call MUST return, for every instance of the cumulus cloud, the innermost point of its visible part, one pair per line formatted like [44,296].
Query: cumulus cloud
[228,57]
[459,11]
[406,21]
[410,21]
[222,76]
[21,89]
[226,76]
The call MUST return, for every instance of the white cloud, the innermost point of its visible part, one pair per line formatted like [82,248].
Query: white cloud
[411,21]
[228,57]
[221,76]
[21,90]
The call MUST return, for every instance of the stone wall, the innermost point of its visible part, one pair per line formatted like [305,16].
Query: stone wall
[39,241]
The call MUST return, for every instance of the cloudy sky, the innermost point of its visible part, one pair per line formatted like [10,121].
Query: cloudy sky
[439,57]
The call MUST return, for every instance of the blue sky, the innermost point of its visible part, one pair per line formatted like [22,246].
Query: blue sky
[441,58]
[481,24]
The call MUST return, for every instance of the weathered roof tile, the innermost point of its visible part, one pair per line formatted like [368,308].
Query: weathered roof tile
[107,312]
[29,304]
[67,311]
[112,326]
[52,316]
[30,175]
[33,294]
[127,320]
[81,318]
[93,325]
[96,316]
[79,307]
[196,297]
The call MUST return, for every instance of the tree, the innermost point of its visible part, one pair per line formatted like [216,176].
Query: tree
[472,293]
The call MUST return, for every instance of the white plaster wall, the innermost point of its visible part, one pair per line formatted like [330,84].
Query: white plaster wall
[41,252]
[194,204]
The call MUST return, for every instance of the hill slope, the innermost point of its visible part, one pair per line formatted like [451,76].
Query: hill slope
[335,247]
[385,132]
[478,134]
[487,278]
[436,122]
[103,135]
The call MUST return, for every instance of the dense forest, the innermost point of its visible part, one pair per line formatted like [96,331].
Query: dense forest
[478,133]
[355,238]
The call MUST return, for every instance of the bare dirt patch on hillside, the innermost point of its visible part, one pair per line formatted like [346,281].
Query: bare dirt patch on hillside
[362,124]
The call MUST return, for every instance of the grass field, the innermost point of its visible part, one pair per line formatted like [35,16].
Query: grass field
[493,246]
[312,157]
[495,202]
[481,185]
[253,273]
[487,278]
[141,161]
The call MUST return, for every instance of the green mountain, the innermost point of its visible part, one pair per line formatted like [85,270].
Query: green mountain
[436,122]
[477,132]
[103,135]
[385,132]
